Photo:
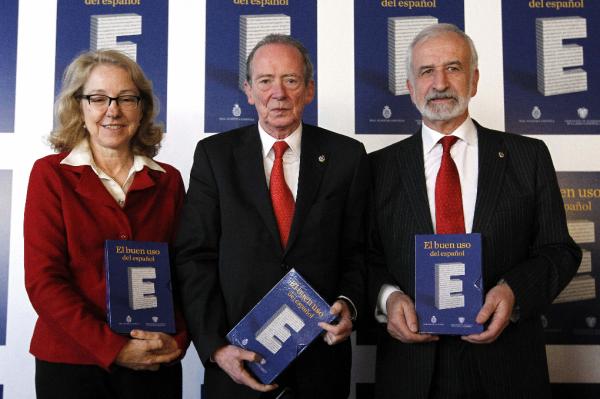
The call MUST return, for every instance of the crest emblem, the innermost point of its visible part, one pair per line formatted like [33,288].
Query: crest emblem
[128,319]
[461,320]
[582,112]
[245,341]
[536,113]
[236,110]
[591,321]
[433,319]
[155,318]
[387,112]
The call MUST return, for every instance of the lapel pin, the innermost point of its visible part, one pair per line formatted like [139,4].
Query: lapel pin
[500,154]
[321,158]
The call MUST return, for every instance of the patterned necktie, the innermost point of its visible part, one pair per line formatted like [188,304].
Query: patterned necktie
[449,216]
[281,196]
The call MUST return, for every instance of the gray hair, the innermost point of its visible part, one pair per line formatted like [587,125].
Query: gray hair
[436,30]
[276,38]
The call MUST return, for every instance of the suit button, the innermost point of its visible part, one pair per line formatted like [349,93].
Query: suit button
[123,236]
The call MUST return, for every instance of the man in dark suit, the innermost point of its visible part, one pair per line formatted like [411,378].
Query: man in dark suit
[237,240]
[508,192]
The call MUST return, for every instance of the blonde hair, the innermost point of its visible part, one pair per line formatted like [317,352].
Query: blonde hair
[70,126]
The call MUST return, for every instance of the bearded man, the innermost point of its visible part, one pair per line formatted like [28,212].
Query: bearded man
[506,190]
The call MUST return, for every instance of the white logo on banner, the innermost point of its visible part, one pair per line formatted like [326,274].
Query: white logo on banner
[387,112]
[590,321]
[536,113]
[236,110]
[582,112]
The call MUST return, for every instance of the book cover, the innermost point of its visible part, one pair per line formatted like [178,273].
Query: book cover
[551,58]
[233,28]
[383,30]
[137,28]
[138,286]
[572,319]
[281,325]
[448,283]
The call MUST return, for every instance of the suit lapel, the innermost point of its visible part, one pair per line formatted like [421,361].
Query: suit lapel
[492,165]
[248,158]
[412,172]
[90,186]
[313,161]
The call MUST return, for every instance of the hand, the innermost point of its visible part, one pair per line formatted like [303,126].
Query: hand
[231,359]
[147,350]
[336,333]
[498,305]
[402,320]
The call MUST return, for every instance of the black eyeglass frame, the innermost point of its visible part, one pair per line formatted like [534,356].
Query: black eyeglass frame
[110,99]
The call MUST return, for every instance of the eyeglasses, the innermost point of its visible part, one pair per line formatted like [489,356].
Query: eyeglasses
[100,102]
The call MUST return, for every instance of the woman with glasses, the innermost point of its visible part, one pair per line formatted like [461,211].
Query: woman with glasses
[101,185]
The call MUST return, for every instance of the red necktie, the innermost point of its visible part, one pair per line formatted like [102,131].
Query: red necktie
[449,217]
[281,196]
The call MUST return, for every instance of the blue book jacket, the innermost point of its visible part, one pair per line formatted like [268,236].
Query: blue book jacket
[281,325]
[448,283]
[138,286]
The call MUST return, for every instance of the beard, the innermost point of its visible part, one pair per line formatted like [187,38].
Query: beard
[443,112]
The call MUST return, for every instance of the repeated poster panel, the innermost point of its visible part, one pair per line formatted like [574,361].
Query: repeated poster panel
[551,66]
[5,210]
[574,317]
[8,63]
[137,28]
[233,28]
[383,31]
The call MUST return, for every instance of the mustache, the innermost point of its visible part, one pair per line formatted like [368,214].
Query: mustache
[441,95]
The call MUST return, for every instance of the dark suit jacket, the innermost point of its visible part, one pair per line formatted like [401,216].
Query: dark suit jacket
[519,213]
[229,253]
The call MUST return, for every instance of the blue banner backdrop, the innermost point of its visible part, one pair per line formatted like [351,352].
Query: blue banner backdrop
[382,32]
[8,63]
[226,105]
[574,317]
[551,62]
[140,30]
[5,200]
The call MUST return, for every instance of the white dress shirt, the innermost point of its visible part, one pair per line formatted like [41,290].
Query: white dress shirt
[465,153]
[82,155]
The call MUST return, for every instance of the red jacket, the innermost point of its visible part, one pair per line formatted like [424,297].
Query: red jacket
[68,216]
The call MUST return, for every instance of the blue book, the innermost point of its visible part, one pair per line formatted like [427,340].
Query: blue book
[281,326]
[138,286]
[448,283]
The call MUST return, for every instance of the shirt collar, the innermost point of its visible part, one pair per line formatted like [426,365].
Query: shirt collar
[293,140]
[81,155]
[467,132]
